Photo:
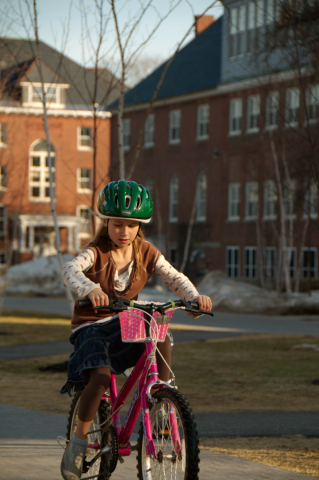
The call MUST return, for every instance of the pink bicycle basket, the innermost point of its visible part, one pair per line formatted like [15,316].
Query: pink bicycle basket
[133,326]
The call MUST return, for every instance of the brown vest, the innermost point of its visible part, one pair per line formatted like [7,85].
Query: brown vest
[103,272]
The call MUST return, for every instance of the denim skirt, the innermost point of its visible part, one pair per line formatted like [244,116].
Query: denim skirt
[99,345]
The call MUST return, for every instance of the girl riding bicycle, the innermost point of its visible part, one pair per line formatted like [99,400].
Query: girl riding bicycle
[118,262]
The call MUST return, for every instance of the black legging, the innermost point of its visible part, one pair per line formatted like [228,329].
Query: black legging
[100,381]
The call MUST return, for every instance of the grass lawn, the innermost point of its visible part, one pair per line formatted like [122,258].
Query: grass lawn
[252,373]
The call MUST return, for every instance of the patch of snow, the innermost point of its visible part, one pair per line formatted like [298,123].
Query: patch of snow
[307,346]
[234,295]
[40,277]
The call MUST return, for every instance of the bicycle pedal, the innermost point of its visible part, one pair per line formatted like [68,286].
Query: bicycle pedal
[121,459]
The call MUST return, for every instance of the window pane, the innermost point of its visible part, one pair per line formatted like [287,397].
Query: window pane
[36,161]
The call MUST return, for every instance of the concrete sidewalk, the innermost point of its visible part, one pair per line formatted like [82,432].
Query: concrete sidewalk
[29,451]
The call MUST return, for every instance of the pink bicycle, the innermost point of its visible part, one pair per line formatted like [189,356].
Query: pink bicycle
[167,446]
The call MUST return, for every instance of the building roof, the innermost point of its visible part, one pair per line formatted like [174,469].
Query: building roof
[57,69]
[196,67]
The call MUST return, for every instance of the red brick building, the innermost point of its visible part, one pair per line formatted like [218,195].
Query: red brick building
[209,136]
[26,224]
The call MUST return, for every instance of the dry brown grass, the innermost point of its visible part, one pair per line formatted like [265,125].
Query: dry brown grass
[19,331]
[294,453]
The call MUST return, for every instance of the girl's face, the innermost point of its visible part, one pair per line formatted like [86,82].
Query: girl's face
[122,232]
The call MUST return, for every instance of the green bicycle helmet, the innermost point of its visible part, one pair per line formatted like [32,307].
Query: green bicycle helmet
[125,200]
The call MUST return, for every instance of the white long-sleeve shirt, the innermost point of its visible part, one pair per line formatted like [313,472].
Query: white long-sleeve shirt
[74,278]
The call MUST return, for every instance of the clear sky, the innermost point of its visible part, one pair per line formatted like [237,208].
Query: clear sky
[53,18]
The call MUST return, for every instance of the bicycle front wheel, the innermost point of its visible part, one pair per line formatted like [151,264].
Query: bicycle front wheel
[176,460]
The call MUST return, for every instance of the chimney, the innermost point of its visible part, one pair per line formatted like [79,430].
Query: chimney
[202,22]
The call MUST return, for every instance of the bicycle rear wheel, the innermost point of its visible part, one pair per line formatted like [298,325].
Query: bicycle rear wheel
[94,437]
[170,463]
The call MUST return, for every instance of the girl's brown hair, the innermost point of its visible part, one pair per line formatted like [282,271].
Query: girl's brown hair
[102,231]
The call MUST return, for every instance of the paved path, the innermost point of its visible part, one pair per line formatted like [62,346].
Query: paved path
[28,451]
[249,323]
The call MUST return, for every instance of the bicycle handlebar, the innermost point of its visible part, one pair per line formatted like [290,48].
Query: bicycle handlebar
[119,304]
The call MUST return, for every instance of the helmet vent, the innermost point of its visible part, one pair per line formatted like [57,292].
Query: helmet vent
[116,200]
[128,185]
[127,201]
[140,189]
[138,202]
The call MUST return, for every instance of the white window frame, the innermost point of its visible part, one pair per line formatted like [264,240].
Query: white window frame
[3,178]
[149,130]
[235,115]
[270,11]
[47,86]
[250,269]
[305,269]
[82,233]
[126,125]
[270,262]
[311,201]
[251,203]
[312,100]
[81,136]
[3,220]
[202,122]
[201,211]
[3,135]
[292,107]
[42,172]
[237,30]
[253,113]
[272,110]
[175,127]
[270,198]
[80,178]
[233,268]
[173,199]
[233,201]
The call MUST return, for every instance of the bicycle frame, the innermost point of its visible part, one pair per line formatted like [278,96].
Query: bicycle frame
[146,366]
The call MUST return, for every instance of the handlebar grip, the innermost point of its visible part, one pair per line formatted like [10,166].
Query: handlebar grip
[84,303]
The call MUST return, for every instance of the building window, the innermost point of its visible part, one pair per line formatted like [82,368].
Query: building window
[173,257]
[312,98]
[311,201]
[201,197]
[270,200]
[291,254]
[270,11]
[237,30]
[289,199]
[232,261]
[250,264]
[272,109]
[149,131]
[253,113]
[174,126]
[256,20]
[126,133]
[235,116]
[309,263]
[270,262]
[54,94]
[292,106]
[85,225]
[84,182]
[251,207]
[202,122]
[3,259]
[3,134]
[3,220]
[84,138]
[234,201]
[3,177]
[39,174]
[173,199]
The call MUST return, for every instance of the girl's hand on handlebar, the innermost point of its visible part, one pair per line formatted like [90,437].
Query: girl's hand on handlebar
[98,298]
[204,303]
